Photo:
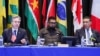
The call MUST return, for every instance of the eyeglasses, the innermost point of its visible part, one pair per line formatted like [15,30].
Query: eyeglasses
[52,22]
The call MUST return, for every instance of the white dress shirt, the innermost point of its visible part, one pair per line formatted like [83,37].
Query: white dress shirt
[88,41]
[14,30]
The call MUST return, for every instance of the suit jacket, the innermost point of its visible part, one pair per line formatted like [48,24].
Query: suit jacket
[81,32]
[21,34]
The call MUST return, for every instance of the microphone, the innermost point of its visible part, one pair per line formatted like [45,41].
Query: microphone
[93,39]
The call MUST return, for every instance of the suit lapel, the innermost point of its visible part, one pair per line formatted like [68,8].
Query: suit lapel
[18,33]
[92,31]
[83,33]
[10,34]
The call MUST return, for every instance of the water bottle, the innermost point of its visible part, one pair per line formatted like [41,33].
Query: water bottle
[1,41]
[38,41]
[82,42]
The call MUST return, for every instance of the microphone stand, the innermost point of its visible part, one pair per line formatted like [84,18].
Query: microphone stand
[93,40]
[93,44]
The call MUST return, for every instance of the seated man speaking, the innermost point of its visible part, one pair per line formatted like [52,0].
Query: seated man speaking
[15,35]
[90,35]
[51,33]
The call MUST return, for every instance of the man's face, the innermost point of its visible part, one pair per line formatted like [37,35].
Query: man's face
[52,23]
[16,23]
[86,23]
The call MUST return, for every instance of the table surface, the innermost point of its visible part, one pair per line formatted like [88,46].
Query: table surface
[49,51]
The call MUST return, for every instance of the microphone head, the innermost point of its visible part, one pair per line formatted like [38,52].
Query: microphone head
[92,39]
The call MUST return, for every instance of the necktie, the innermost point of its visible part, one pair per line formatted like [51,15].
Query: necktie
[15,32]
[88,36]
[13,38]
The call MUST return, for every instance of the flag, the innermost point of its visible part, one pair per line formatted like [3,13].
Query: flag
[44,11]
[33,17]
[77,14]
[13,10]
[95,15]
[61,16]
[50,10]
[2,14]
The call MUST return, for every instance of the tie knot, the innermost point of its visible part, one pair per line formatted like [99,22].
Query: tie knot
[14,32]
[87,29]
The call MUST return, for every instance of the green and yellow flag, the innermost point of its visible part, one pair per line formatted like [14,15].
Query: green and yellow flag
[2,14]
[62,16]
[13,10]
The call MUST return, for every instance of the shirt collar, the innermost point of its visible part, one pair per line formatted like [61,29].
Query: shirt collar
[88,29]
[14,29]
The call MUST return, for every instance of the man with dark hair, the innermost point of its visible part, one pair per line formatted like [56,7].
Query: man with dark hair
[87,33]
[51,34]
[15,35]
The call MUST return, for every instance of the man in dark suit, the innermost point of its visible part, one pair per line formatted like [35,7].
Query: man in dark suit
[91,36]
[15,35]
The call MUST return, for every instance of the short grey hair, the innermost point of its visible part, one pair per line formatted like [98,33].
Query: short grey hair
[16,17]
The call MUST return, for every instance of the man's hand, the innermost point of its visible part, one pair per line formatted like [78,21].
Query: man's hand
[13,38]
[23,41]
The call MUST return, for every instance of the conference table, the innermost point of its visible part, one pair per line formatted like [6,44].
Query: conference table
[48,51]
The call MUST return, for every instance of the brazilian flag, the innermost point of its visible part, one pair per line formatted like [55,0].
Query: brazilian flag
[62,16]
